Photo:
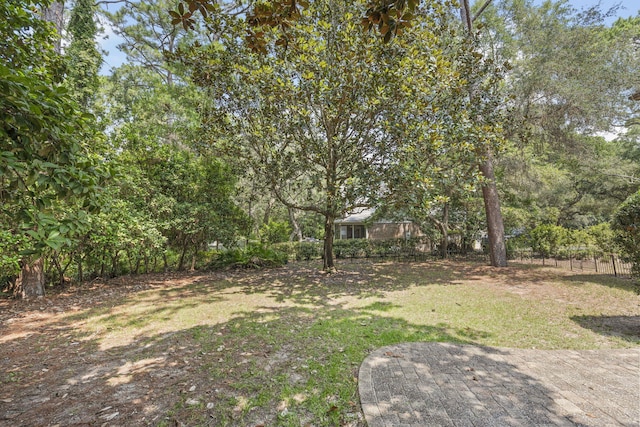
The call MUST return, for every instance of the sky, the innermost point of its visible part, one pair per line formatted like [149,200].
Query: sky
[114,58]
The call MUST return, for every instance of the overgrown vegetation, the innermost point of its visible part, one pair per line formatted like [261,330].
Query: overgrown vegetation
[626,224]
[253,256]
[186,146]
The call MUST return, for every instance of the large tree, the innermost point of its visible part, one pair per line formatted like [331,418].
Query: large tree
[307,119]
[172,181]
[570,81]
[391,18]
[45,164]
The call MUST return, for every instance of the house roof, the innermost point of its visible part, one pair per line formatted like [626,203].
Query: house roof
[363,216]
[357,217]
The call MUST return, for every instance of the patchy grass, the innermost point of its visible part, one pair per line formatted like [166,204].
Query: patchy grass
[279,347]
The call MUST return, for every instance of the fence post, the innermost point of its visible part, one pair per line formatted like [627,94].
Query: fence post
[570,261]
[613,261]
[595,261]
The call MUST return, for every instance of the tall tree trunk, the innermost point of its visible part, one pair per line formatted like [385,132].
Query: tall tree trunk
[30,282]
[495,225]
[328,264]
[54,13]
[444,229]
[183,253]
[297,232]
[80,272]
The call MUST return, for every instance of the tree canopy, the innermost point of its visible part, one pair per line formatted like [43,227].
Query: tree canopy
[234,123]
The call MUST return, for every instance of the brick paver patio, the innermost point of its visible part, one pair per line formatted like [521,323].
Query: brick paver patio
[442,384]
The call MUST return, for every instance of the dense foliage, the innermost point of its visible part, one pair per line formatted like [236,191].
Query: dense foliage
[626,224]
[267,124]
[49,177]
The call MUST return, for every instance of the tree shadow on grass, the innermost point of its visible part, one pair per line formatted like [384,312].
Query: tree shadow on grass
[305,283]
[622,283]
[289,357]
[268,366]
[623,327]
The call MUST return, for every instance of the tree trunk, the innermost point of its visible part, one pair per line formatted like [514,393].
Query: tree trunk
[443,226]
[80,272]
[30,282]
[193,260]
[297,232]
[183,254]
[495,225]
[54,13]
[328,264]
[114,264]
[444,229]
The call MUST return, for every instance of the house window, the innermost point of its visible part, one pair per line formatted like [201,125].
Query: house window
[351,232]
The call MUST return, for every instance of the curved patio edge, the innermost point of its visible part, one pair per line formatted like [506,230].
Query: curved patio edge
[444,384]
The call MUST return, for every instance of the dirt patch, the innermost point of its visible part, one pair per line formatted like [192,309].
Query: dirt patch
[54,373]
[51,375]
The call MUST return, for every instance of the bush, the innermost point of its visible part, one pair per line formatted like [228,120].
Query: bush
[249,257]
[602,237]
[289,248]
[516,245]
[383,248]
[547,239]
[351,248]
[308,250]
[275,232]
[626,226]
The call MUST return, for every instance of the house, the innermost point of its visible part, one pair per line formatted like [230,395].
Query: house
[359,225]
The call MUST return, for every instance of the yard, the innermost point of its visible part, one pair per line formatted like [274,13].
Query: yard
[280,346]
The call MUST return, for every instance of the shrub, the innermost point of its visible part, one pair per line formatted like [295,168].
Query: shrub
[626,226]
[602,237]
[546,239]
[289,248]
[254,256]
[382,248]
[275,231]
[352,248]
[308,250]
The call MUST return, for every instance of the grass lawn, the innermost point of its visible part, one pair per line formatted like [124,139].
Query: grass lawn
[282,346]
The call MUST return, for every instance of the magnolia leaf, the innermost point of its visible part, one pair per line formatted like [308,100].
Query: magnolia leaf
[387,37]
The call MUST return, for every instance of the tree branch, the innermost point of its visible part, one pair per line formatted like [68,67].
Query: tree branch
[484,6]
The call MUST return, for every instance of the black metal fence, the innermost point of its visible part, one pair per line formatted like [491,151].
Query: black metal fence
[608,264]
